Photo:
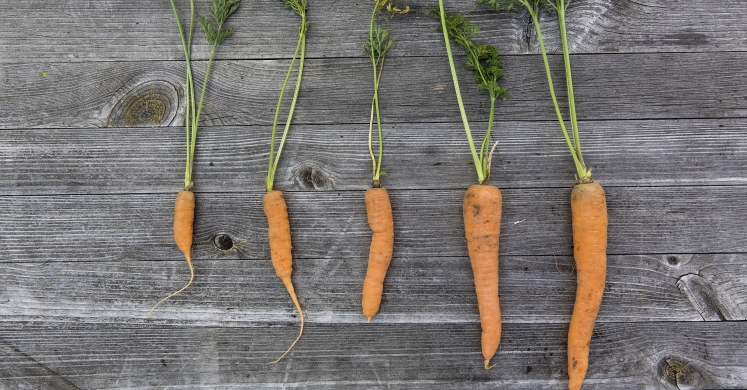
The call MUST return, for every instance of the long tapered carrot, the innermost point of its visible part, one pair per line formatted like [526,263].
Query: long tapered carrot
[589,216]
[482,227]
[379,211]
[278,228]
[184,217]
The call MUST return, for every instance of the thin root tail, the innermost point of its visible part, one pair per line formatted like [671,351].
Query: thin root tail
[291,291]
[191,279]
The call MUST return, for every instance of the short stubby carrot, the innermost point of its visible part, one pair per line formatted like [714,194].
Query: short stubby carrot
[278,228]
[184,218]
[379,211]
[482,227]
[589,216]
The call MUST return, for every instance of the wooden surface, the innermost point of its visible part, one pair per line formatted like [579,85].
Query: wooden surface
[87,189]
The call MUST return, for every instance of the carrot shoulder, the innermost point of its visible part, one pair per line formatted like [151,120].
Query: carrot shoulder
[379,211]
[278,228]
[589,215]
[482,227]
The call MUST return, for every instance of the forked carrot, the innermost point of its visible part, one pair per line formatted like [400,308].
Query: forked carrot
[482,227]
[379,211]
[482,202]
[278,228]
[589,216]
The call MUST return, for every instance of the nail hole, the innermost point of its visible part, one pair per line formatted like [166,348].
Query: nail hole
[223,242]
[673,260]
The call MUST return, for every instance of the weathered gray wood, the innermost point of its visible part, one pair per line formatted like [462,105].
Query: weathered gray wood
[338,91]
[121,31]
[228,292]
[623,356]
[330,225]
[335,157]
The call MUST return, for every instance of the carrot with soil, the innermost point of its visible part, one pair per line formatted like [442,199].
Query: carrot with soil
[184,207]
[278,225]
[588,204]
[482,202]
[378,206]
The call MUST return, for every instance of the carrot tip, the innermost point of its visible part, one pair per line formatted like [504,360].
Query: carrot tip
[487,361]
[369,319]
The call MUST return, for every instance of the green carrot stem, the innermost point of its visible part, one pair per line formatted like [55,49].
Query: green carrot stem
[270,173]
[569,83]
[478,166]
[580,168]
[275,157]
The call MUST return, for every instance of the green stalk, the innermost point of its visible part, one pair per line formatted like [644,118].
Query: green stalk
[478,166]
[275,157]
[569,81]
[188,94]
[580,168]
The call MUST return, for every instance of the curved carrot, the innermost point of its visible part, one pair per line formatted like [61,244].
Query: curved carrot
[184,217]
[589,213]
[379,211]
[278,228]
[482,227]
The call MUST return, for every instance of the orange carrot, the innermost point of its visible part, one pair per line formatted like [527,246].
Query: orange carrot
[278,228]
[184,217]
[482,227]
[379,211]
[589,215]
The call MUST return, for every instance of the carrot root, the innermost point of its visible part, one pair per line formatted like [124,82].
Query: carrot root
[278,229]
[589,216]
[184,217]
[379,210]
[482,227]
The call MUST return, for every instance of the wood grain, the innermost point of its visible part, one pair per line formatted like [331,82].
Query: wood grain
[122,31]
[335,157]
[643,220]
[427,290]
[338,91]
[642,355]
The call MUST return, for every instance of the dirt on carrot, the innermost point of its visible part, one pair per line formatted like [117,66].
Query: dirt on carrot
[482,227]
[589,218]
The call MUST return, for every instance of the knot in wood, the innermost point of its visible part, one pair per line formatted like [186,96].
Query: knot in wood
[223,242]
[149,104]
[312,178]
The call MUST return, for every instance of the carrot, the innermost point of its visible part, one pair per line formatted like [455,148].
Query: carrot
[589,216]
[482,202]
[378,207]
[379,211]
[278,228]
[184,216]
[184,208]
[482,227]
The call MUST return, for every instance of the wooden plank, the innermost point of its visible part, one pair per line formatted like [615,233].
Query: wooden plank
[236,293]
[335,157]
[117,31]
[644,220]
[623,356]
[338,91]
